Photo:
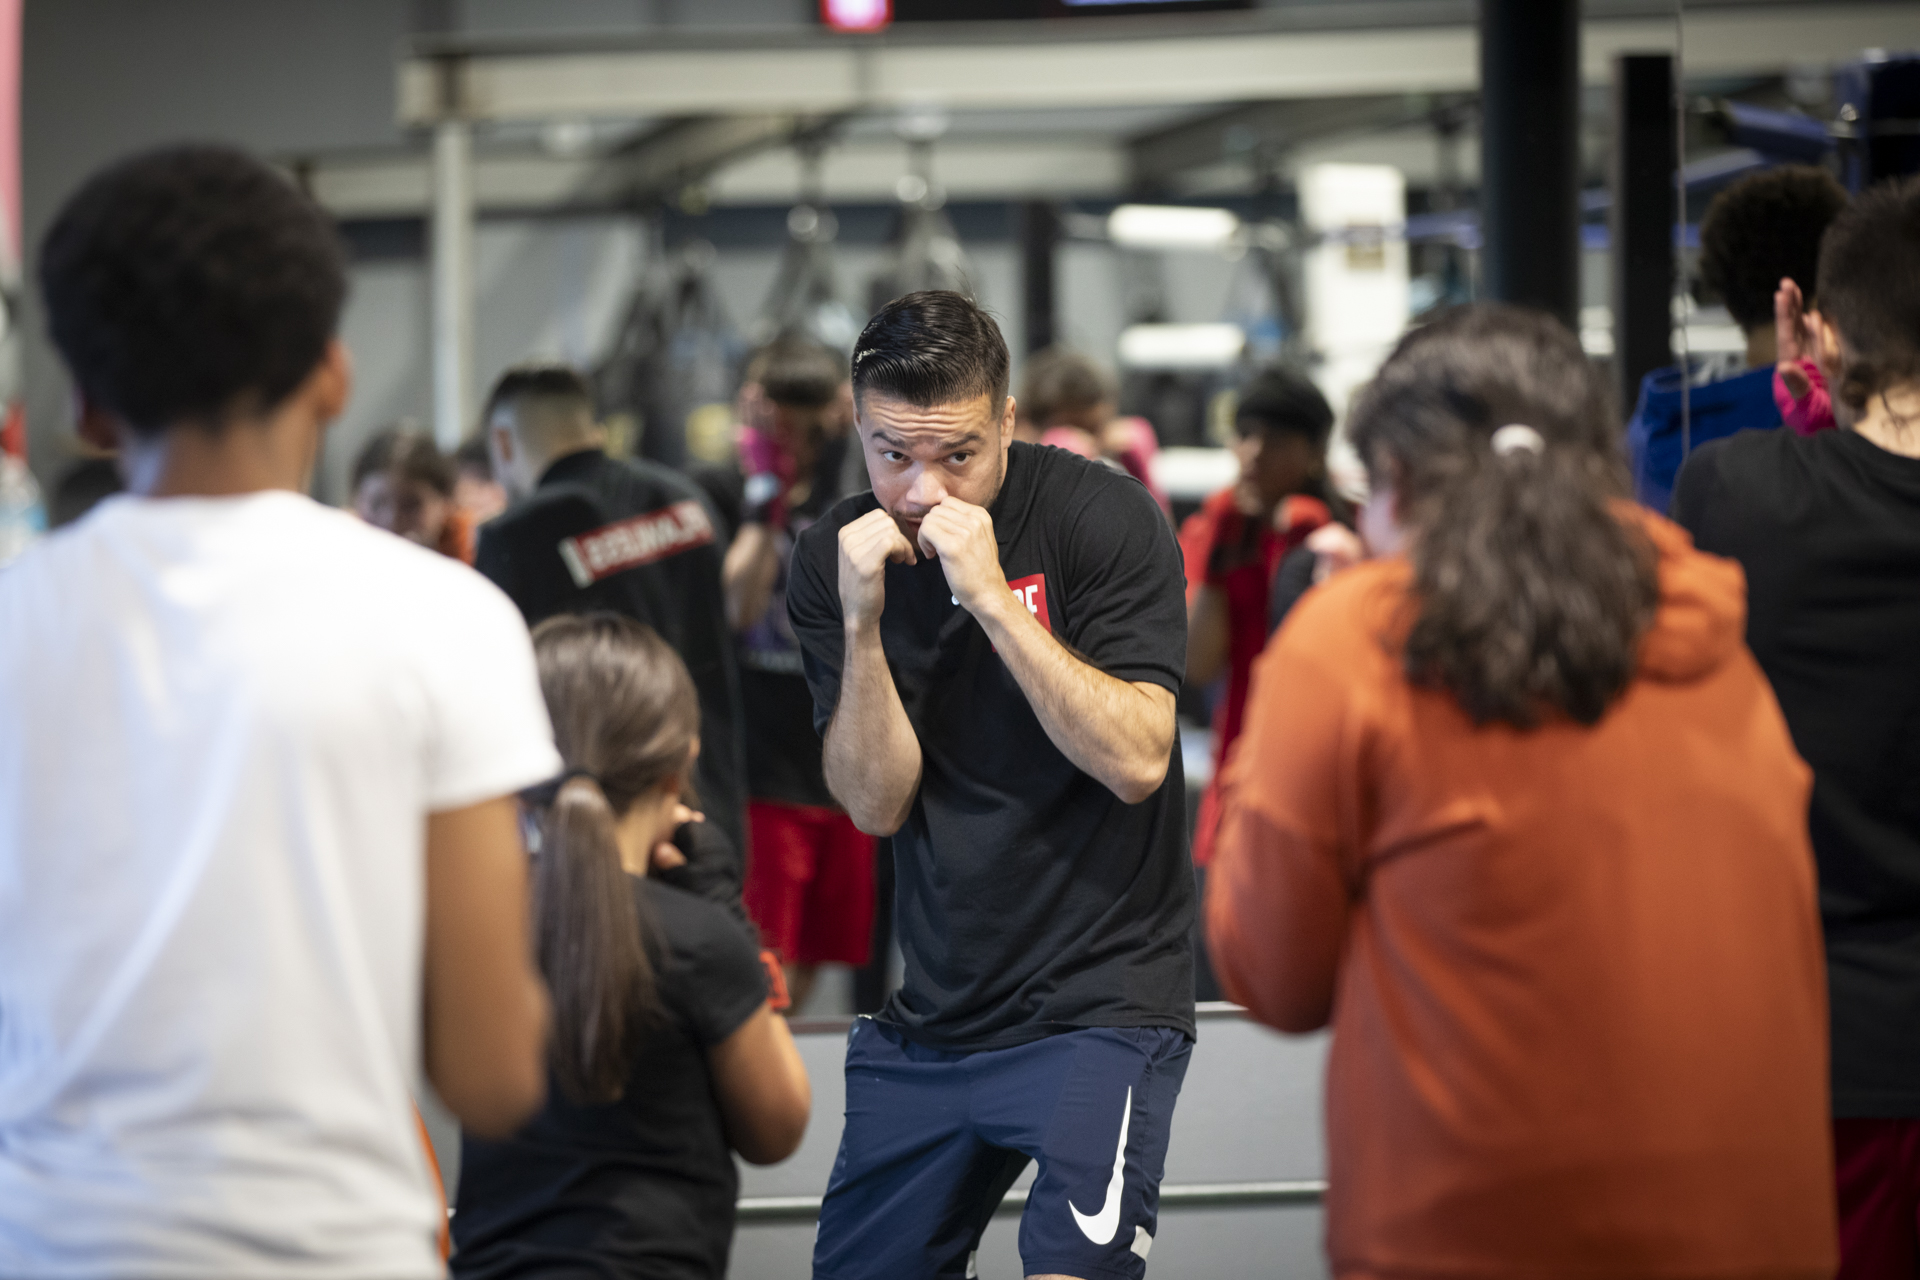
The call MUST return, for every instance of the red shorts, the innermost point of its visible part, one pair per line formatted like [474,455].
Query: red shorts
[1877,1164]
[810,883]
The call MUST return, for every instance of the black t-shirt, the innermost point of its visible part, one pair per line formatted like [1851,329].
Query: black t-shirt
[1029,899]
[643,1188]
[1828,531]
[633,538]
[783,749]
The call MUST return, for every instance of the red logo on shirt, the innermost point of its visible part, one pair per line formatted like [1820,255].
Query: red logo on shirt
[627,544]
[1032,591]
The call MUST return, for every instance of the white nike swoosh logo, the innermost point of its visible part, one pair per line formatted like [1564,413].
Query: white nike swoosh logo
[1103,1226]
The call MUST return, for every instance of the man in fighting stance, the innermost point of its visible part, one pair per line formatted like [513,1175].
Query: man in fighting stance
[994,637]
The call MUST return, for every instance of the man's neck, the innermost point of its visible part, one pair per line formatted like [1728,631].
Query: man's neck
[1892,421]
[539,463]
[246,456]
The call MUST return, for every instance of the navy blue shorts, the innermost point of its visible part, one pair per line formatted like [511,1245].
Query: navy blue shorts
[934,1139]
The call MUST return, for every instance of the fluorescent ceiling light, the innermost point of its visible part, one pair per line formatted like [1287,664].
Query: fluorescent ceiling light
[1171,226]
[1181,346]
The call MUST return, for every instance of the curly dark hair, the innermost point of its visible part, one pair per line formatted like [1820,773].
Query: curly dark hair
[1870,290]
[1530,592]
[1763,229]
[191,285]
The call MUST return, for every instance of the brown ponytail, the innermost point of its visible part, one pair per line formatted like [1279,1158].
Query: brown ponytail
[1531,594]
[624,717]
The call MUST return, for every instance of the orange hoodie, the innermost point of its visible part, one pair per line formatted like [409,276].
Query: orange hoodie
[1574,974]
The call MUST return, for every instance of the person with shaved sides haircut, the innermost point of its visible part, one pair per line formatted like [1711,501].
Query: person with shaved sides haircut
[994,637]
[589,532]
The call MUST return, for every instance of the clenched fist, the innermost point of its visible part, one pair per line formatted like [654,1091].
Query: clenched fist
[867,546]
[960,536]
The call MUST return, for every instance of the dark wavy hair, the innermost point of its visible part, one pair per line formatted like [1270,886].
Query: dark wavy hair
[1530,592]
[932,347]
[189,286]
[1870,290]
[624,718]
[1762,229]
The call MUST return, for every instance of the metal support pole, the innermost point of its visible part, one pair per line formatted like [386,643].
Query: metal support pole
[1039,241]
[1530,153]
[1641,222]
[452,276]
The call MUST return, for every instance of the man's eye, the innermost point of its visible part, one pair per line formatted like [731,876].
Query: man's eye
[891,455]
[959,458]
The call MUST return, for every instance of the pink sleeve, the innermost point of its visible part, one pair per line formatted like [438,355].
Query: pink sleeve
[1811,414]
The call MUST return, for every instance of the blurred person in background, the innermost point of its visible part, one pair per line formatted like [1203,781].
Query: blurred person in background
[1760,231]
[1827,528]
[402,483]
[1067,400]
[810,881]
[1516,812]
[1235,544]
[587,531]
[475,491]
[666,1057]
[260,855]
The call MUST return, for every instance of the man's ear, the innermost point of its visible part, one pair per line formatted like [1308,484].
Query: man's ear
[1009,418]
[99,428]
[332,382]
[502,446]
[1826,338]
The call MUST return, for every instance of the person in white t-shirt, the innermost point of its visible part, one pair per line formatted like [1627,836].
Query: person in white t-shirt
[259,849]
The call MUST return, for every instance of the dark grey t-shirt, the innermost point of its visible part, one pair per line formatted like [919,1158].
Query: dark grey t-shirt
[1029,899]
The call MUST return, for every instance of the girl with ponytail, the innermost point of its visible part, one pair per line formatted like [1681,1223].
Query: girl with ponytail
[1515,811]
[666,1056]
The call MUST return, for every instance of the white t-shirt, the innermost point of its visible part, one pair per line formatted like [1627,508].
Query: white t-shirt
[223,723]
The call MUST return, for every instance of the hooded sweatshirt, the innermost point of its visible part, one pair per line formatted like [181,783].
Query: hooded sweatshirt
[1722,397]
[1574,972]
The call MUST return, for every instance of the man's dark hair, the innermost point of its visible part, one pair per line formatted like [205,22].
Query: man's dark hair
[1058,381]
[550,382]
[798,373]
[406,452]
[929,348]
[1282,399]
[1870,290]
[189,286]
[1762,229]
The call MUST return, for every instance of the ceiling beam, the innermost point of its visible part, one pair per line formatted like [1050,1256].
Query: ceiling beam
[1261,132]
[1060,65]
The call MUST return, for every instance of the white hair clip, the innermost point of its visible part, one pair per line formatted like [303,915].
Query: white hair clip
[1515,438]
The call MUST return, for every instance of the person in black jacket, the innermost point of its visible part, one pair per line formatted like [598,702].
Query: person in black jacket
[590,532]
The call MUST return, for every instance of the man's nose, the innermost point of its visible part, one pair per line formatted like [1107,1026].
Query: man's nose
[926,491]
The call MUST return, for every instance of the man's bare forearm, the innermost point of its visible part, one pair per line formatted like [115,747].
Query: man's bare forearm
[752,564]
[1119,733]
[872,755]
